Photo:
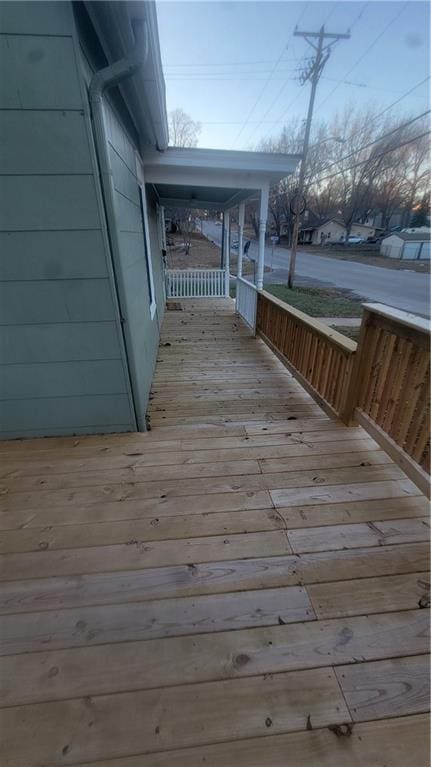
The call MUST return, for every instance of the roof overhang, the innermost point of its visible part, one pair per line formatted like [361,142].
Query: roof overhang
[144,93]
[214,179]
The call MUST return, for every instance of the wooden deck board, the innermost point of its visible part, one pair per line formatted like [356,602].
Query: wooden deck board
[219,590]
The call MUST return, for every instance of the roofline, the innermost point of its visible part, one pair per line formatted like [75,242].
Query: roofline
[265,163]
[144,93]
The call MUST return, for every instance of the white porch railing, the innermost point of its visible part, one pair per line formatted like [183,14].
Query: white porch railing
[246,301]
[196,283]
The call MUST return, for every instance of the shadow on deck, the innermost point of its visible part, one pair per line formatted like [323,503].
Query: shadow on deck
[231,588]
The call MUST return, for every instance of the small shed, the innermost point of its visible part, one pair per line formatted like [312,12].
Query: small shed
[409,246]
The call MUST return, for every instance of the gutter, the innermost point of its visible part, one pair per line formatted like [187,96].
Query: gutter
[102,80]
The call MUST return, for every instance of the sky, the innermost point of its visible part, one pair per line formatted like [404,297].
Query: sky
[235,66]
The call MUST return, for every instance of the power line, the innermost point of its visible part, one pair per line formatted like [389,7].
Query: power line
[285,83]
[376,156]
[268,79]
[225,64]
[295,98]
[378,140]
[366,52]
[259,96]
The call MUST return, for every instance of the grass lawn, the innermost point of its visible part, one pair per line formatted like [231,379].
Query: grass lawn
[203,255]
[319,302]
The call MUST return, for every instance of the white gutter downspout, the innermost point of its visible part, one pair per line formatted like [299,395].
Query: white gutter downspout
[106,78]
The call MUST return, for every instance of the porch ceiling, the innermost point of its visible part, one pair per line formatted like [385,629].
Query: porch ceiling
[213,179]
[206,197]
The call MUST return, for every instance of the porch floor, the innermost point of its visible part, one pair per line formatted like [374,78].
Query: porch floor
[240,586]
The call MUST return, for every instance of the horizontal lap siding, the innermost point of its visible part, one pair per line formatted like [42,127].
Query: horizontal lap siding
[141,330]
[61,362]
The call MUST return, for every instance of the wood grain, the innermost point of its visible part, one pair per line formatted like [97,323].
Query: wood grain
[206,592]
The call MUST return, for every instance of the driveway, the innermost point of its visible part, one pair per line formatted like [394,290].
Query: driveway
[403,289]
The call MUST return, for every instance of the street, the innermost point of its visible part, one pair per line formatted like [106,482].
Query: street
[403,289]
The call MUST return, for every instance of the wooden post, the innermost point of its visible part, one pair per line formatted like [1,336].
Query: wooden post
[241,212]
[226,217]
[263,214]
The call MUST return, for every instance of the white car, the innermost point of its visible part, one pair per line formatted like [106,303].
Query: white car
[354,239]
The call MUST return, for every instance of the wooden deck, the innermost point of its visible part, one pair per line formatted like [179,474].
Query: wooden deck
[240,587]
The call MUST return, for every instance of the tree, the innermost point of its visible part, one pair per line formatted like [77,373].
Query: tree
[183,131]
[421,213]
[356,164]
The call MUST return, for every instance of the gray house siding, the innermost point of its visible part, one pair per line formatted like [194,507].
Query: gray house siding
[63,366]
[141,329]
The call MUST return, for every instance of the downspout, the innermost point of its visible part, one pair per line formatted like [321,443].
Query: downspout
[102,80]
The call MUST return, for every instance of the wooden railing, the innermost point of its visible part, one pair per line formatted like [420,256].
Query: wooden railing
[196,283]
[392,381]
[382,383]
[246,301]
[319,357]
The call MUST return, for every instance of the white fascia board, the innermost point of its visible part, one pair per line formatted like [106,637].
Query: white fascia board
[219,159]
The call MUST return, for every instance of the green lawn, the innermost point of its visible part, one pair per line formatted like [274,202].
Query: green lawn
[318,302]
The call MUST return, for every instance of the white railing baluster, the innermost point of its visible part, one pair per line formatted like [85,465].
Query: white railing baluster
[195,283]
[246,301]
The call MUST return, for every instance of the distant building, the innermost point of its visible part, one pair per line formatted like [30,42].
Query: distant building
[409,245]
[333,230]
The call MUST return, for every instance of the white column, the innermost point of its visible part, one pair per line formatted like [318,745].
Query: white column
[227,250]
[241,212]
[263,214]
[163,225]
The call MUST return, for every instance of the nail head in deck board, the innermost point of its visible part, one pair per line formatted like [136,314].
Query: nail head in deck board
[369,595]
[386,688]
[392,740]
[80,671]
[146,620]
[170,718]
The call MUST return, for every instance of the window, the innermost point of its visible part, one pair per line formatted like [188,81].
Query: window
[146,242]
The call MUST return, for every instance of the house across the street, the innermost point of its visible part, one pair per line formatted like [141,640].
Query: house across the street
[409,245]
[332,230]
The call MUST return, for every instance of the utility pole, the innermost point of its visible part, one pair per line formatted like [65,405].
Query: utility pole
[322,55]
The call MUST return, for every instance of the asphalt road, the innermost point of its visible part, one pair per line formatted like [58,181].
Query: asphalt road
[403,289]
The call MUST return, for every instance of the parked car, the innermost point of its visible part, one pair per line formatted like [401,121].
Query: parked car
[354,239]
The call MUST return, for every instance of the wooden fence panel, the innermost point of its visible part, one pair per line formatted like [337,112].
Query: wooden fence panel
[318,356]
[392,376]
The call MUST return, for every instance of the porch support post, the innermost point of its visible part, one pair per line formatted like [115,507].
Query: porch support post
[163,226]
[222,243]
[263,214]
[241,212]
[226,217]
